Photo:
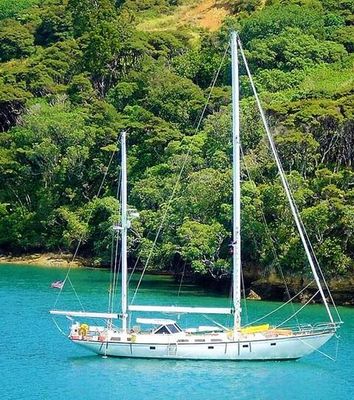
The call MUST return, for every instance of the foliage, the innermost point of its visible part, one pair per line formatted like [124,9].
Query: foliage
[10,8]
[73,73]
[16,41]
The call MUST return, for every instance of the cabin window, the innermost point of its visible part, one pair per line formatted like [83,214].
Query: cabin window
[216,340]
[168,329]
[273,344]
[210,347]
[182,341]
[152,348]
[173,328]
[115,338]
[199,340]
[178,328]
[245,345]
[162,330]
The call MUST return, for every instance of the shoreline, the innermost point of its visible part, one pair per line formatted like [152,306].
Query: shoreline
[46,260]
[265,288]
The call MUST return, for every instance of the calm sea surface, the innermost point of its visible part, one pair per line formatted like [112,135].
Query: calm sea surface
[38,362]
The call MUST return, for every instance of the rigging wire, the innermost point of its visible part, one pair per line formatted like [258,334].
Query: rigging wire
[281,306]
[320,270]
[215,322]
[275,255]
[59,328]
[114,256]
[182,277]
[115,274]
[298,220]
[134,268]
[299,310]
[314,258]
[111,274]
[313,255]
[179,176]
[321,352]
[230,317]
[81,239]
[244,296]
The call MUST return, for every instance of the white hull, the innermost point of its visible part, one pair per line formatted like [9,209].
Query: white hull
[277,348]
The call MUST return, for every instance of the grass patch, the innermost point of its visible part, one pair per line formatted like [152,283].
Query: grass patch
[205,14]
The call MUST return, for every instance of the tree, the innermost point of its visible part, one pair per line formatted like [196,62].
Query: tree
[11,9]
[87,14]
[200,245]
[16,41]
[298,151]
[174,99]
[293,50]
[56,24]
[273,20]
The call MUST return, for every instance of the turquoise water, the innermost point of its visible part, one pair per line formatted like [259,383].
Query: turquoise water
[37,362]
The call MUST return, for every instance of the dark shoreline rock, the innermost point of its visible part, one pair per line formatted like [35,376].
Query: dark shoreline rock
[342,292]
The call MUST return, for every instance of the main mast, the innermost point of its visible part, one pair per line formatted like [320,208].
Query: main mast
[124,229]
[236,172]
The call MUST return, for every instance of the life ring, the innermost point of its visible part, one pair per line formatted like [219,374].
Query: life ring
[83,330]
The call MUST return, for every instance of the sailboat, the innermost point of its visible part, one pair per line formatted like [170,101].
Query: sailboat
[166,339]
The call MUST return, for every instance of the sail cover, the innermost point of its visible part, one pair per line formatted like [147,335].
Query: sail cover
[182,310]
[85,314]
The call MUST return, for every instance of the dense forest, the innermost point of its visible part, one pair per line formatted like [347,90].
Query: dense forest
[74,73]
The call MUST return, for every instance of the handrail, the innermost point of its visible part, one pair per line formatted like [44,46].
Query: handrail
[308,328]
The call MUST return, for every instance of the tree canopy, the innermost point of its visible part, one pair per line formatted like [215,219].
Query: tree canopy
[74,73]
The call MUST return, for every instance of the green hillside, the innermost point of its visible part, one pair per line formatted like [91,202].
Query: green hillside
[73,73]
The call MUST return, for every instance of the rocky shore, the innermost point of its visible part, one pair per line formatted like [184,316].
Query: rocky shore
[268,288]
